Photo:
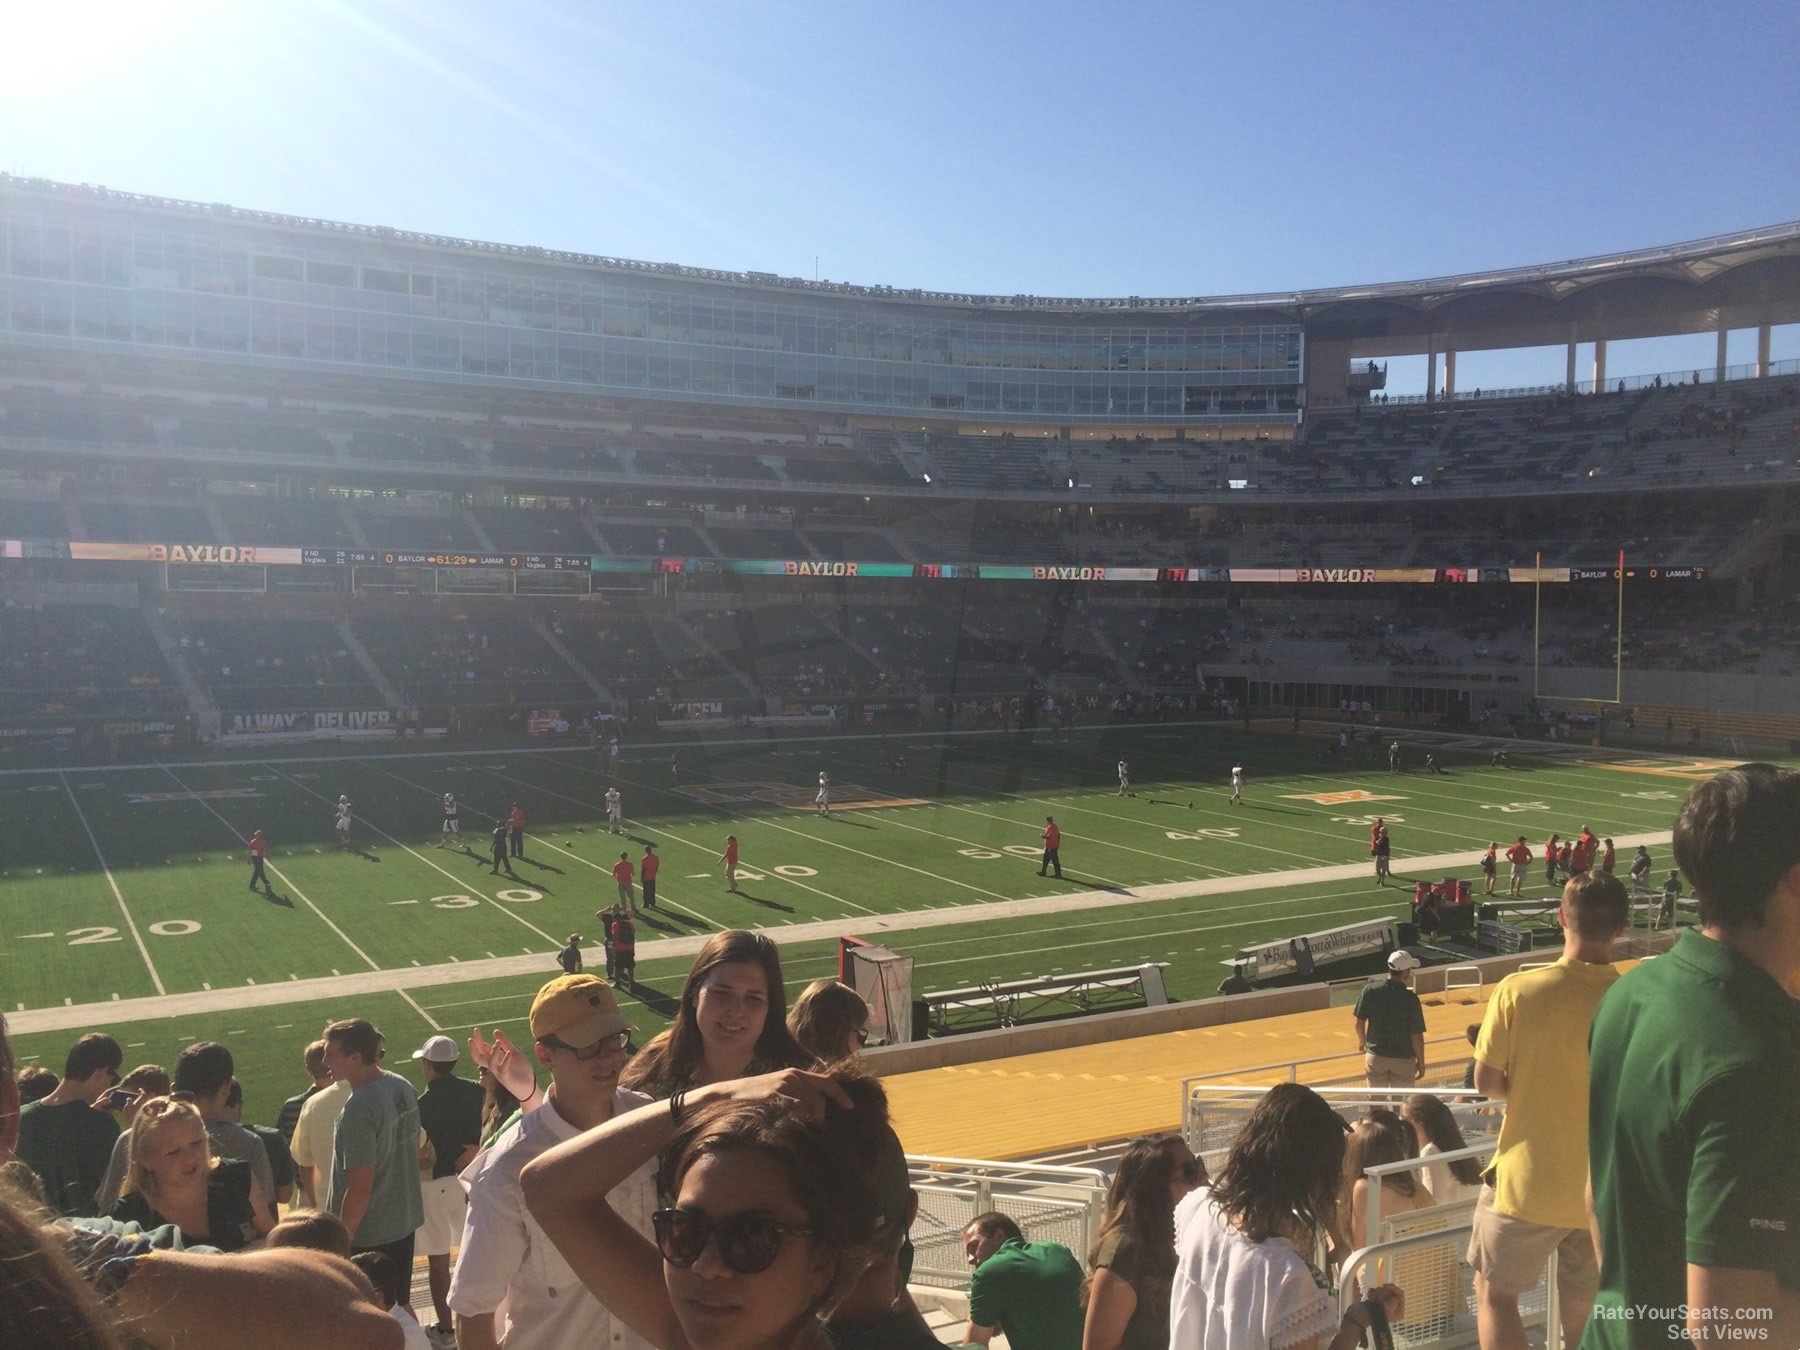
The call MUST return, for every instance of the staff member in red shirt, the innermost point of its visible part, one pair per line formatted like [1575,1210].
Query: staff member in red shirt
[1550,860]
[259,849]
[1581,855]
[1519,855]
[516,822]
[1052,843]
[729,858]
[647,871]
[622,874]
[1609,857]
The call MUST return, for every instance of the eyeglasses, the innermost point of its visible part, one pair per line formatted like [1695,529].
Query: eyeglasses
[747,1243]
[1193,1171]
[862,1035]
[606,1045]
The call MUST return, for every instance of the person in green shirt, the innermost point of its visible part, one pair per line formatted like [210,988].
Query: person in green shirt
[65,1138]
[1390,1026]
[1694,1089]
[1029,1290]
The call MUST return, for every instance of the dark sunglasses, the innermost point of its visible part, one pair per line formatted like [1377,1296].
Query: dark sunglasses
[604,1046]
[748,1243]
[1193,1171]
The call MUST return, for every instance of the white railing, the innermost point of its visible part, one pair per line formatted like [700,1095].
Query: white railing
[1049,1203]
[1431,1270]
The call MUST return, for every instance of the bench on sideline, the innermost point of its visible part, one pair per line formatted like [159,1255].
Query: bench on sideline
[1005,1003]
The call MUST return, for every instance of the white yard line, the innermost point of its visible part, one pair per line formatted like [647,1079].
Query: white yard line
[130,923]
[424,977]
[285,881]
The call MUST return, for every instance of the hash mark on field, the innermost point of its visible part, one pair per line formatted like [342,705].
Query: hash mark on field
[415,960]
[204,985]
[248,980]
[115,998]
[292,976]
[490,954]
[288,1026]
[334,970]
[135,1045]
[457,959]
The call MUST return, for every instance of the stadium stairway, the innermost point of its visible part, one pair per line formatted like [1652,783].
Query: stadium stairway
[699,640]
[200,702]
[557,645]
[479,531]
[360,654]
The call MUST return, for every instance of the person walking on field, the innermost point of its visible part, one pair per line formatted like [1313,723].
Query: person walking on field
[622,873]
[615,812]
[259,851]
[730,858]
[1384,854]
[515,823]
[1052,848]
[1490,868]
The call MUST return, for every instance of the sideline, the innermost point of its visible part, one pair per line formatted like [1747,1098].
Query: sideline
[405,978]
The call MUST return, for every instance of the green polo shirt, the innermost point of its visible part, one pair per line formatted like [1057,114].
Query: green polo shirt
[1394,1014]
[1032,1291]
[1694,1091]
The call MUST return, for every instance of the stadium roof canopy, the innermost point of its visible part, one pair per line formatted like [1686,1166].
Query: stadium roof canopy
[1746,279]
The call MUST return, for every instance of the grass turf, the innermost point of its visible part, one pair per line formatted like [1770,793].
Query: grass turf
[959,827]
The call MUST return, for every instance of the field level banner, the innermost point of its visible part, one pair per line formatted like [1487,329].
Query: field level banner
[238,728]
[1341,944]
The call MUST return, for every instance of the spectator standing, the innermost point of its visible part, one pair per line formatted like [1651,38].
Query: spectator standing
[608,917]
[622,873]
[311,1144]
[1490,868]
[1052,849]
[374,1179]
[1242,1279]
[1532,1055]
[511,1285]
[1671,895]
[731,1021]
[1390,1026]
[281,1158]
[289,1115]
[647,870]
[1640,870]
[1695,1084]
[450,1115]
[64,1137]
[1133,1259]
[204,1072]
[515,828]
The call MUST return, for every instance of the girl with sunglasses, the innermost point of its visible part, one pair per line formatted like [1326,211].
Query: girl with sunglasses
[732,1021]
[770,1213]
[830,1021]
[1133,1259]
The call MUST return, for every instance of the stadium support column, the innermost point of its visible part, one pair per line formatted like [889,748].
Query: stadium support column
[1719,364]
[1762,350]
[1430,369]
[1569,377]
[1599,365]
[1449,372]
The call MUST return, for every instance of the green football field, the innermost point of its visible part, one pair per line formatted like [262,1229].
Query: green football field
[132,883]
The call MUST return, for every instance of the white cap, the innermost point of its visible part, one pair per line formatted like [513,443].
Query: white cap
[438,1050]
[1402,960]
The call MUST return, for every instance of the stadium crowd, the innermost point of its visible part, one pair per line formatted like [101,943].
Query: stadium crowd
[736,1182]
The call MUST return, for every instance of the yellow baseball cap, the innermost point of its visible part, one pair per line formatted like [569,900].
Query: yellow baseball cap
[578,1010]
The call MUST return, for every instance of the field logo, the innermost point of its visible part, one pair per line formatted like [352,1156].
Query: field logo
[1673,768]
[844,796]
[1341,798]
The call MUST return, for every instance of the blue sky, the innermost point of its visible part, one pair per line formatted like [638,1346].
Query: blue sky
[1147,149]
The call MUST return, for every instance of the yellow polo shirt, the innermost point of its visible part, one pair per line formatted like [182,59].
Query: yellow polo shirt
[1536,1033]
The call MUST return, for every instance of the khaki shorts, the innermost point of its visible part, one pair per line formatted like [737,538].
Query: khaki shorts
[1390,1070]
[1510,1254]
[446,1206]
